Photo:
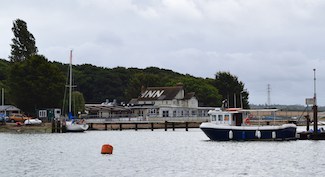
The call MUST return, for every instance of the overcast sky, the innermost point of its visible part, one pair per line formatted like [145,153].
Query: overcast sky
[262,42]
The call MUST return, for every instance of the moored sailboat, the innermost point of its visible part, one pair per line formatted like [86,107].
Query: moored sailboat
[73,125]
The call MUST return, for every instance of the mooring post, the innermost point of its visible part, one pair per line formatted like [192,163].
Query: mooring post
[120,127]
[58,126]
[151,126]
[307,122]
[165,125]
[173,124]
[136,126]
[315,122]
[53,126]
[64,127]
[105,126]
[186,126]
[91,126]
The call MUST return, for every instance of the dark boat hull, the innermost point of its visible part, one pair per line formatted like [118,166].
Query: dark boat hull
[237,134]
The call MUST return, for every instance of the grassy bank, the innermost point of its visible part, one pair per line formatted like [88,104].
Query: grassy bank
[13,128]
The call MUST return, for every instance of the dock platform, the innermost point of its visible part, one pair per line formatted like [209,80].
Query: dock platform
[136,125]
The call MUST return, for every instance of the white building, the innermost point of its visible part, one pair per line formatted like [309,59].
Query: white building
[172,102]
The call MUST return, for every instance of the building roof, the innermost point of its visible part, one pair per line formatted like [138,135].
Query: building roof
[160,93]
[9,108]
[189,95]
[99,107]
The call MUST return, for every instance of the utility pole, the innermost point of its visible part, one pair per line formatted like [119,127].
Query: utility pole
[235,102]
[268,95]
[315,108]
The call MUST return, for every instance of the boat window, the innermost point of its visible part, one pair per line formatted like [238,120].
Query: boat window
[219,117]
[226,117]
[214,117]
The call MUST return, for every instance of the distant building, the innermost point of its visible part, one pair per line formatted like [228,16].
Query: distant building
[107,110]
[153,103]
[9,109]
[165,102]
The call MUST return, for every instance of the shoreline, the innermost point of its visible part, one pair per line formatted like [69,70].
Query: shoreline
[13,128]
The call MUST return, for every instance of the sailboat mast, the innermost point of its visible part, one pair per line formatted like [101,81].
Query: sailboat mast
[70,81]
[3,96]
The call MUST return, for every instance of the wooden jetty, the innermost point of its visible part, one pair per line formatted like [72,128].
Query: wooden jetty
[136,125]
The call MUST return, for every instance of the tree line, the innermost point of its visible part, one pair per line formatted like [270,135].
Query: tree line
[32,82]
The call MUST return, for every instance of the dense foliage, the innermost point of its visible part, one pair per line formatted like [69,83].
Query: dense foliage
[37,79]
[32,82]
[35,83]
[231,90]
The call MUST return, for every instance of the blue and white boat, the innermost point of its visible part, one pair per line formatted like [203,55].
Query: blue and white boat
[234,124]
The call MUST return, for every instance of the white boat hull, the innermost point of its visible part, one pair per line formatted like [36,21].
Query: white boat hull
[32,122]
[73,126]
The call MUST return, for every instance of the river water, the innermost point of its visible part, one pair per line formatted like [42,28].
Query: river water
[155,153]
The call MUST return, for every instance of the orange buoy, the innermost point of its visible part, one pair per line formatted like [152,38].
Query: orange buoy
[107,149]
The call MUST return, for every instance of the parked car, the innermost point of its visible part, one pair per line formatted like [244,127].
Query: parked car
[18,118]
[3,118]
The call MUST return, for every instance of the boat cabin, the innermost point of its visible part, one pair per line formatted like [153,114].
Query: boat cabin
[231,116]
[239,117]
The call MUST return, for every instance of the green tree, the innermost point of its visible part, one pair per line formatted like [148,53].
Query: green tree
[36,83]
[231,89]
[98,84]
[4,65]
[77,103]
[142,80]
[23,43]
[205,92]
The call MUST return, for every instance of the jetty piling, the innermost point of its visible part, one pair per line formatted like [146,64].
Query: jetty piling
[58,126]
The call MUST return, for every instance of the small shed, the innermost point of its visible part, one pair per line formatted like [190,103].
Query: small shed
[48,114]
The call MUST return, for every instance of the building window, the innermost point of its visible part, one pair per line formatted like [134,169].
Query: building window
[193,113]
[174,113]
[152,111]
[165,114]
